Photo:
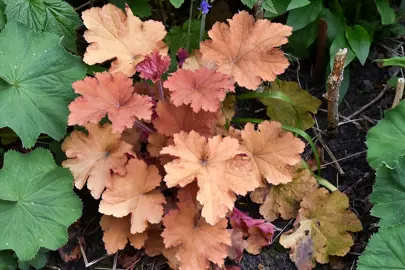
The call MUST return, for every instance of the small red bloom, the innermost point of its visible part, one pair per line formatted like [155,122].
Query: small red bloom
[153,66]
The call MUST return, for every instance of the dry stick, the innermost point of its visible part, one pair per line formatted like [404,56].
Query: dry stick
[370,103]
[334,80]
[258,10]
[398,92]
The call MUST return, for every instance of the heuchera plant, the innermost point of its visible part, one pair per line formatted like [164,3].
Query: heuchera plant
[189,150]
[176,196]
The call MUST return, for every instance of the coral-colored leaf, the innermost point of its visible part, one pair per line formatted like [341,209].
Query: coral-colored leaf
[111,94]
[214,163]
[135,193]
[92,157]
[203,89]
[285,199]
[235,251]
[273,151]
[114,35]
[247,49]
[259,233]
[153,66]
[198,242]
[117,233]
[321,229]
[172,119]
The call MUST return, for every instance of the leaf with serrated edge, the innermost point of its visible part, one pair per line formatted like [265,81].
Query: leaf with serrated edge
[37,203]
[35,83]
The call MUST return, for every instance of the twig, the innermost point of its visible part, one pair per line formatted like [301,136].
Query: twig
[341,159]
[331,155]
[86,262]
[258,10]
[319,70]
[369,104]
[82,6]
[285,227]
[399,92]
[334,80]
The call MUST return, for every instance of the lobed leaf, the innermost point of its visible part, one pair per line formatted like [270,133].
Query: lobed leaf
[37,203]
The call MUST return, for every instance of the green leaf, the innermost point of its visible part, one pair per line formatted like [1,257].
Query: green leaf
[275,7]
[2,15]
[7,261]
[297,20]
[397,29]
[384,139]
[340,42]
[53,16]
[387,13]
[359,41]
[178,37]
[393,81]
[249,3]
[297,4]
[389,194]
[385,250]
[140,8]
[336,23]
[344,86]
[36,74]
[177,3]
[300,40]
[38,262]
[90,70]
[281,111]
[37,203]
[393,61]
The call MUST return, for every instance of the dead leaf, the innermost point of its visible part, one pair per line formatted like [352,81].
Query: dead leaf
[235,250]
[284,199]
[321,229]
[246,49]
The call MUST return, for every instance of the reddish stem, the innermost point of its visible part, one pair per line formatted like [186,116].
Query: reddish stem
[144,127]
[161,93]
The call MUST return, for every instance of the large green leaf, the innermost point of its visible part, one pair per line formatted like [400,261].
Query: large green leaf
[387,13]
[249,3]
[394,61]
[359,41]
[300,40]
[388,195]
[336,23]
[385,250]
[37,203]
[38,262]
[385,141]
[36,74]
[140,8]
[178,38]
[275,7]
[2,15]
[298,20]
[304,104]
[53,16]
[297,4]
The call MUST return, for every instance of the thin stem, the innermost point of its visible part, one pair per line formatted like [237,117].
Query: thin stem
[189,26]
[202,25]
[144,127]
[161,93]
[325,183]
